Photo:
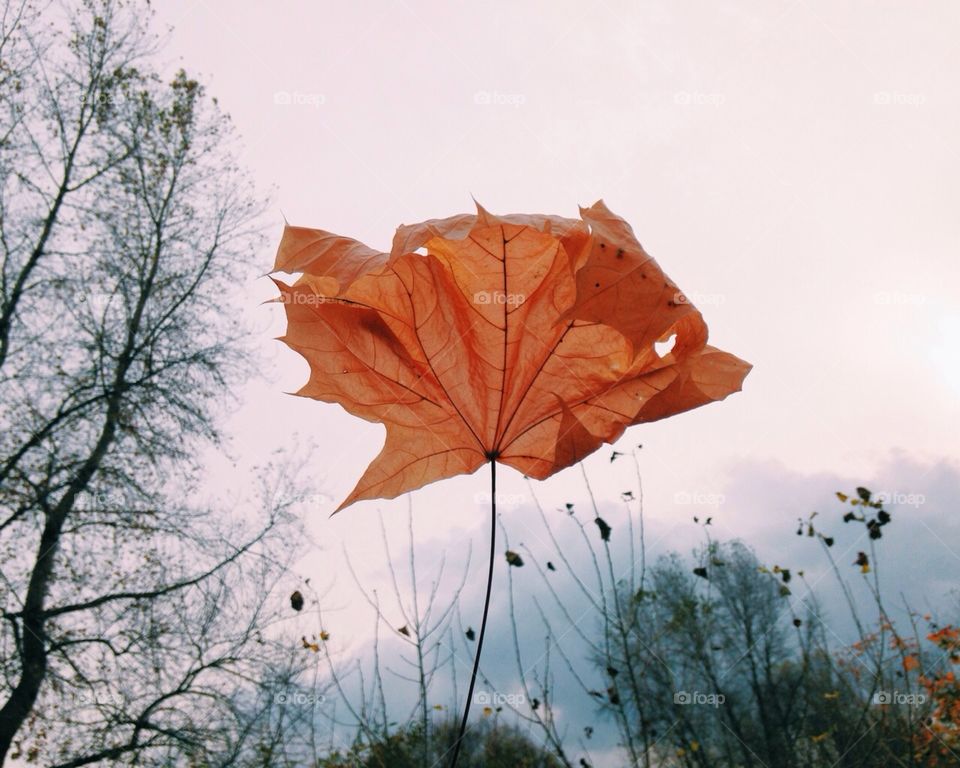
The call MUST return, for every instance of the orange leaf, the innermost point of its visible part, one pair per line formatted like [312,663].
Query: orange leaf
[524,339]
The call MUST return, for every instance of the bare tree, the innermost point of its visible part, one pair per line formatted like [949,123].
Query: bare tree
[131,603]
[384,708]
[419,623]
[717,662]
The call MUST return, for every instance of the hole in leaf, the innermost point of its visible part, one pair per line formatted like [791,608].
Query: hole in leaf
[664,348]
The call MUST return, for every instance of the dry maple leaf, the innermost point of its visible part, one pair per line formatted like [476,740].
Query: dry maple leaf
[525,339]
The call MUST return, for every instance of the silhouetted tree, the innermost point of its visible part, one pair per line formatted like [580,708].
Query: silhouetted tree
[133,608]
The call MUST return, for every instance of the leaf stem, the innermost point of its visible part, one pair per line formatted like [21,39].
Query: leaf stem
[486,608]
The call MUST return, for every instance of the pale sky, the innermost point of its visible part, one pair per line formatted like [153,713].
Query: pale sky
[789,164]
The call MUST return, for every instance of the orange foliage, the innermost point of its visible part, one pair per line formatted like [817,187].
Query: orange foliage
[939,737]
[527,339]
